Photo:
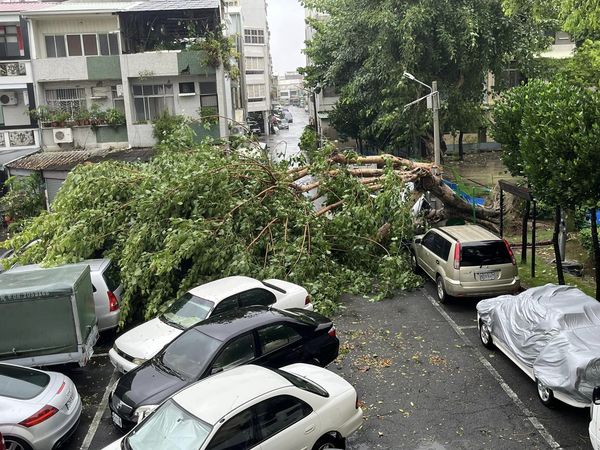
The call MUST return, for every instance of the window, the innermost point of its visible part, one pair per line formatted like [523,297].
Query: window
[66,100]
[152,101]
[254,36]
[187,88]
[236,433]
[278,413]
[117,98]
[187,310]
[441,247]
[302,383]
[232,3]
[209,98]
[256,297]
[255,64]
[256,91]
[109,44]
[55,46]
[189,354]
[229,304]
[11,41]
[82,44]
[237,352]
[428,240]
[275,337]
[485,252]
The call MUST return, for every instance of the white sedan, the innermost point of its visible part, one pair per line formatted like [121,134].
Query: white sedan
[217,297]
[250,407]
[38,410]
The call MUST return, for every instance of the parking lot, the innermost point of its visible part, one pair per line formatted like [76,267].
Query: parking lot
[423,377]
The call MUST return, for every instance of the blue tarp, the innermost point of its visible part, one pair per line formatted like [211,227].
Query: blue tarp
[472,200]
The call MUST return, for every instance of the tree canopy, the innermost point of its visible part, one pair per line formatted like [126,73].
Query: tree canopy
[364,47]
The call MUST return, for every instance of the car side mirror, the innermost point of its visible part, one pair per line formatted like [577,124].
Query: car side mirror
[596,396]
[216,370]
[418,240]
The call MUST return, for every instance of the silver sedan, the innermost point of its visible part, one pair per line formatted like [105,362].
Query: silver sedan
[38,410]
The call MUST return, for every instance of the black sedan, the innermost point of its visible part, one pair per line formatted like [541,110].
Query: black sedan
[258,335]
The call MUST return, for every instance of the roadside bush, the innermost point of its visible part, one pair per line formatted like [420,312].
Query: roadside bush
[165,125]
[585,239]
[25,199]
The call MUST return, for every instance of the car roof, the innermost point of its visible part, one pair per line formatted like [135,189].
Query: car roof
[239,321]
[225,287]
[216,396]
[469,233]
[96,265]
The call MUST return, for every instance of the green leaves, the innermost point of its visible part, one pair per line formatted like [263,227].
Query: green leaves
[198,213]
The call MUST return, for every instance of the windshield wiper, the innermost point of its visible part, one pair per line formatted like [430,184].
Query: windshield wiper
[170,322]
[162,366]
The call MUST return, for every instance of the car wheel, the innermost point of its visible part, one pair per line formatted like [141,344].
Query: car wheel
[14,443]
[414,265]
[327,441]
[545,394]
[485,335]
[441,290]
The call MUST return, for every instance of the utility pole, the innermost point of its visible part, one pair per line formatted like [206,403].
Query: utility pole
[435,103]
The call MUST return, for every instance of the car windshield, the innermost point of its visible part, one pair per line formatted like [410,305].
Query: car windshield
[22,383]
[170,426]
[187,311]
[189,354]
[484,253]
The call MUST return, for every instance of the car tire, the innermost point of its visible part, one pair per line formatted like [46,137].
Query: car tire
[485,336]
[414,264]
[545,394]
[443,296]
[328,441]
[15,443]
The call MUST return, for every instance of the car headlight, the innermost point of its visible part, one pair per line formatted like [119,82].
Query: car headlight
[143,411]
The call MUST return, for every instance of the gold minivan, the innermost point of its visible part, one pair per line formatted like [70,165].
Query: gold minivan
[466,261]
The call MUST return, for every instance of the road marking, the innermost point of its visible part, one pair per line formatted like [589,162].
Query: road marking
[513,396]
[99,412]
[468,327]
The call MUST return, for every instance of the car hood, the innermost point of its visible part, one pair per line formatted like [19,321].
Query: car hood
[147,339]
[148,385]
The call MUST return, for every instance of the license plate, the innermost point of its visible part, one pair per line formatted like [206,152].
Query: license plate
[117,420]
[487,276]
[70,401]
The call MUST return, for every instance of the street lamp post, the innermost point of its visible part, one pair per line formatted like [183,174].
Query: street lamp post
[434,95]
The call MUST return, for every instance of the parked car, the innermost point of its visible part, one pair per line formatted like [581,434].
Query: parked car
[217,297]
[298,406]
[466,261]
[595,419]
[283,124]
[106,287]
[47,316]
[288,116]
[38,410]
[552,333]
[256,335]
[6,253]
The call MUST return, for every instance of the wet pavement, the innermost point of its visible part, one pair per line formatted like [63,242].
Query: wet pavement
[284,144]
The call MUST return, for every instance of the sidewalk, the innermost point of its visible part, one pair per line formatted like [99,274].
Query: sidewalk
[422,386]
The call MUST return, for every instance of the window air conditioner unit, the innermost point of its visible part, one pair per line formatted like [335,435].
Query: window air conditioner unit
[62,135]
[9,98]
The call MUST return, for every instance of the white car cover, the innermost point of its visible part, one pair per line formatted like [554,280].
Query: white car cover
[555,330]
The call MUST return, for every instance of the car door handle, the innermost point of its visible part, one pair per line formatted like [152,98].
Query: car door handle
[309,429]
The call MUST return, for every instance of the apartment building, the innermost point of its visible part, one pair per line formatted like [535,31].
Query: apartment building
[19,133]
[107,69]
[290,89]
[256,60]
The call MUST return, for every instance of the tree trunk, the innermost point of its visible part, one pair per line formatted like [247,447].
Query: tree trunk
[461,150]
[596,251]
[524,232]
[559,269]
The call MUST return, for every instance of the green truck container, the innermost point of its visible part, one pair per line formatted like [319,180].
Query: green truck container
[47,316]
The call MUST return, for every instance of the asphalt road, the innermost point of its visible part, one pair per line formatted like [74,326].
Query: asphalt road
[284,144]
[424,379]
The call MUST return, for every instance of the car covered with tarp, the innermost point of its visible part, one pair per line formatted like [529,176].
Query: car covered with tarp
[47,316]
[553,334]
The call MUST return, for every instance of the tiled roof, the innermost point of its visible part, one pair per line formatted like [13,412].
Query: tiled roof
[67,160]
[9,155]
[81,6]
[23,6]
[166,5]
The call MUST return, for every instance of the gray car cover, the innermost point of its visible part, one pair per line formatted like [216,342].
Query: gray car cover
[555,330]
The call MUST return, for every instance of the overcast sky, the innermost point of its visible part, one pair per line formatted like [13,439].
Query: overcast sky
[286,22]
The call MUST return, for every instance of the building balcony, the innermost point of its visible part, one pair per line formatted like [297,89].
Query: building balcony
[77,68]
[167,63]
[19,138]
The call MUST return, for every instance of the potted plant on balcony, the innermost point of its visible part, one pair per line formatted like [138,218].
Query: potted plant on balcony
[59,118]
[114,117]
[82,117]
[41,114]
[97,116]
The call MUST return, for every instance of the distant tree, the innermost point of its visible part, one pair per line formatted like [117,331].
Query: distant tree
[365,46]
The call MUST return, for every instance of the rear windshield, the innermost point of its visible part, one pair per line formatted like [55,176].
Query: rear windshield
[302,383]
[22,383]
[112,277]
[484,253]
